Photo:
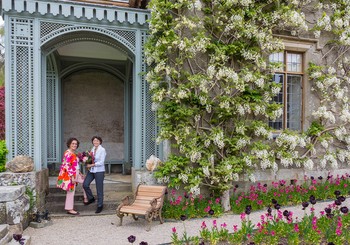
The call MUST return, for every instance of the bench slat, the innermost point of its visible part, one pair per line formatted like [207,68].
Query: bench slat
[148,188]
[149,194]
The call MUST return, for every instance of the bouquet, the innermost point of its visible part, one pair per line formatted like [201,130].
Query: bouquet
[86,157]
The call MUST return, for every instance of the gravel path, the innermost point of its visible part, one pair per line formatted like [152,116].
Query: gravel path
[102,229]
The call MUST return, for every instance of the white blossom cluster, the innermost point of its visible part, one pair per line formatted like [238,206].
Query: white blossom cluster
[219,140]
[309,164]
[195,190]
[290,141]
[242,143]
[329,158]
[323,113]
[183,178]
[344,156]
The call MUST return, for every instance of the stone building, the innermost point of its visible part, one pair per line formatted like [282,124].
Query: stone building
[76,68]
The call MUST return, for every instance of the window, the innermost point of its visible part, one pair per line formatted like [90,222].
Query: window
[291,79]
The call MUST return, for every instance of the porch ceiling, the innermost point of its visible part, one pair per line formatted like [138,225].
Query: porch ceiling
[88,49]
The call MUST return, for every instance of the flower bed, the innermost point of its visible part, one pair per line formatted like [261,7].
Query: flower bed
[331,228]
[187,205]
[260,196]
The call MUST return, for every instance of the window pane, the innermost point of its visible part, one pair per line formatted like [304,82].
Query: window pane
[277,57]
[294,102]
[294,62]
[278,123]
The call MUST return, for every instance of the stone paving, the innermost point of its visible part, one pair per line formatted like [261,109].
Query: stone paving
[102,229]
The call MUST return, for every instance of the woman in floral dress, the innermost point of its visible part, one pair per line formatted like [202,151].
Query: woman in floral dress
[70,175]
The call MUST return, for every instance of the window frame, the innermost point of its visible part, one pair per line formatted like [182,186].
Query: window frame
[284,71]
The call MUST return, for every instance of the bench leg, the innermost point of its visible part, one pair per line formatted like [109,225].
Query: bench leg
[120,215]
[161,218]
[135,217]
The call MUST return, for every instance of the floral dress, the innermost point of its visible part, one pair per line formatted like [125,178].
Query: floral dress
[68,169]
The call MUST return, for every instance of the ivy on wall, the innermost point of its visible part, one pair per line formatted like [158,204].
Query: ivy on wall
[211,87]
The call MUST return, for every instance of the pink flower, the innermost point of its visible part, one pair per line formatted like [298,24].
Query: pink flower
[242,216]
[224,225]
[296,228]
[235,228]
[174,230]
[273,233]
[338,232]
[204,225]
[214,223]
[217,200]
[207,209]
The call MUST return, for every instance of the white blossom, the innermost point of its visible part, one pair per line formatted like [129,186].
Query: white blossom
[309,164]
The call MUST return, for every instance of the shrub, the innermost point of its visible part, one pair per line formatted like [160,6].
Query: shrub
[3,153]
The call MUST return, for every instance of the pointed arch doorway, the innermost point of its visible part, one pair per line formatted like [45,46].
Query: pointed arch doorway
[94,95]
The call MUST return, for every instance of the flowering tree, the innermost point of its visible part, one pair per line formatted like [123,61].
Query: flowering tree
[212,89]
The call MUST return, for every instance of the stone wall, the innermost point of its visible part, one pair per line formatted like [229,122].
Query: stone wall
[93,104]
[21,195]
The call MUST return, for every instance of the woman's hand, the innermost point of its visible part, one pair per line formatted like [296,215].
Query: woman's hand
[90,165]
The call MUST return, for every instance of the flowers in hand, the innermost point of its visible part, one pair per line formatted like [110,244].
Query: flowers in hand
[86,157]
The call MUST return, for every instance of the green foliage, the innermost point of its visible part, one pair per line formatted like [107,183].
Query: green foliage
[3,153]
[315,129]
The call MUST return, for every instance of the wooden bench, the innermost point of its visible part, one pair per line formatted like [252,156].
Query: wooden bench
[148,202]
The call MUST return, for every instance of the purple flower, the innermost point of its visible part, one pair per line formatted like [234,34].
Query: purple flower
[186,196]
[131,239]
[236,186]
[344,210]
[305,205]
[274,201]
[183,217]
[143,243]
[277,206]
[211,212]
[337,193]
[341,198]
[248,209]
[320,177]
[17,237]
[286,213]
[269,210]
[328,210]
[337,202]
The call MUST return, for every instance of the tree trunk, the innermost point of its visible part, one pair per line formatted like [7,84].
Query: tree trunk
[225,201]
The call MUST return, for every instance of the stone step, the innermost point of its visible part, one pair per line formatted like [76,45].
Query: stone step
[6,239]
[111,186]
[79,197]
[4,230]
[57,209]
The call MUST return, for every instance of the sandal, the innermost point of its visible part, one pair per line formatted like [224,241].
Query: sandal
[71,213]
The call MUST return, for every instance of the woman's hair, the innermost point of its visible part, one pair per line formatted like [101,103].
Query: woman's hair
[70,140]
[96,137]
